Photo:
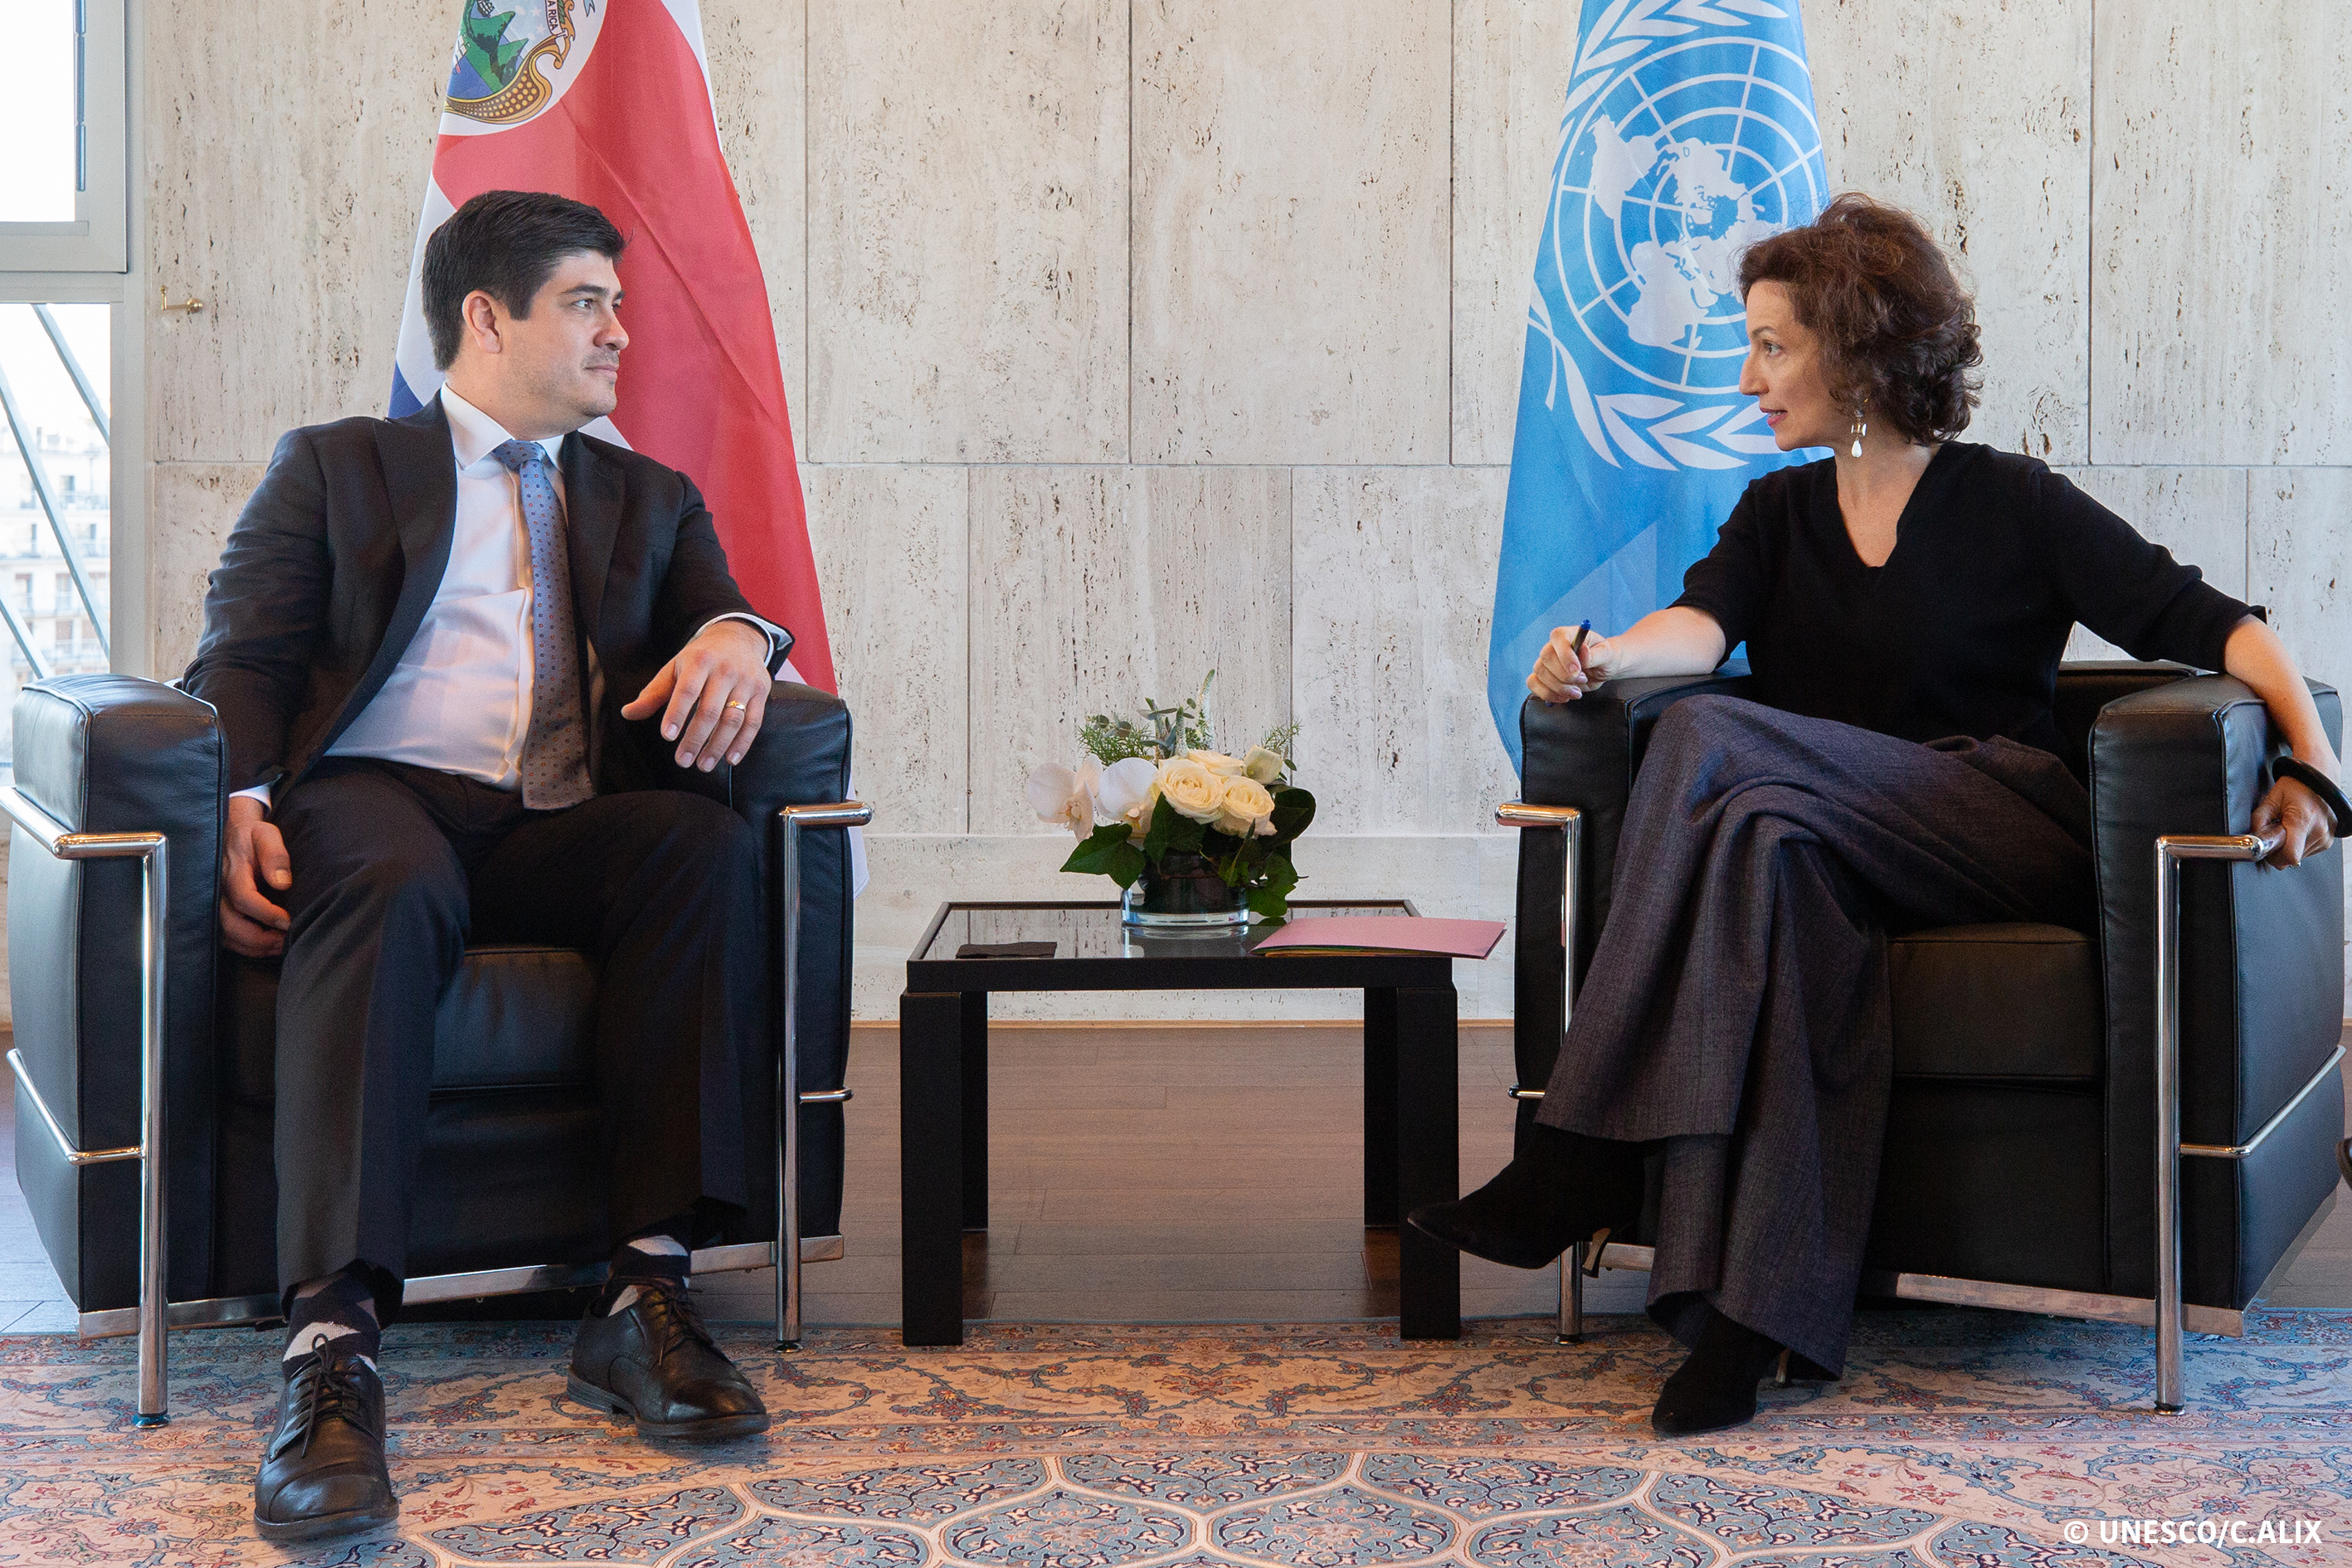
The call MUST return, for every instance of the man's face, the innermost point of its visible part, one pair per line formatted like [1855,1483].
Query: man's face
[560,366]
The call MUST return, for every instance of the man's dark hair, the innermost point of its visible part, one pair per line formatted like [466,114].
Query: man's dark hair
[506,244]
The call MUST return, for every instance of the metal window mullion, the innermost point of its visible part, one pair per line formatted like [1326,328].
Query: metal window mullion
[81,98]
[40,477]
[24,639]
[67,357]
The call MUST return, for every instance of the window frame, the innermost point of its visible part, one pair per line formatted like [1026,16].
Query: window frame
[98,239]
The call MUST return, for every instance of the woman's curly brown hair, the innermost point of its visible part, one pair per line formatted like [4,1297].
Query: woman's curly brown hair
[1898,333]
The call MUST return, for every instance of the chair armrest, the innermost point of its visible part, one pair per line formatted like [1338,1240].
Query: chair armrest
[113,753]
[801,757]
[2262,981]
[1584,755]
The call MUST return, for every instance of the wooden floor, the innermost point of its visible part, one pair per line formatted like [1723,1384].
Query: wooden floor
[1145,1174]
[1164,1174]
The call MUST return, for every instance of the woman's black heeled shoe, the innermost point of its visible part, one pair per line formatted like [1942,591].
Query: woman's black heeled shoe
[1716,1386]
[1563,1188]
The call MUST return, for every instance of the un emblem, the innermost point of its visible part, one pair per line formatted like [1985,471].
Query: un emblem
[1688,138]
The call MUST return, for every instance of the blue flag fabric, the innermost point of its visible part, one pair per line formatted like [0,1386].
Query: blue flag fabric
[1688,134]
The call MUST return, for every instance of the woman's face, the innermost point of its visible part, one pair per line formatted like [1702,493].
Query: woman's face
[1783,373]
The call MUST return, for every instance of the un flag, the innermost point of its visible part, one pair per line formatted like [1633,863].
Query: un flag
[1688,134]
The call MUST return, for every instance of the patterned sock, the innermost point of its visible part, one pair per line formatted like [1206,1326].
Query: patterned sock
[339,1312]
[658,1252]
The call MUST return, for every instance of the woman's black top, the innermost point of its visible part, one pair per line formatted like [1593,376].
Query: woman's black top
[1959,633]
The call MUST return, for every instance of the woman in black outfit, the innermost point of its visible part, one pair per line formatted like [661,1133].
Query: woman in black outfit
[1905,604]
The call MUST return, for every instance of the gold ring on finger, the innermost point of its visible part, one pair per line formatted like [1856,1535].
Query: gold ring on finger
[732,704]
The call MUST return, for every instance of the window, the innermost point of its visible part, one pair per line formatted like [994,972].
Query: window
[54,388]
[64,119]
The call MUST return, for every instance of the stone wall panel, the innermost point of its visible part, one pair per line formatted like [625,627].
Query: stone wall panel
[1291,231]
[285,199]
[1395,587]
[191,506]
[891,546]
[759,78]
[1976,115]
[2221,301]
[1510,76]
[1096,588]
[967,244]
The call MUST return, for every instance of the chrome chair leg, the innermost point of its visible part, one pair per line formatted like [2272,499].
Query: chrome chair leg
[152,851]
[789,1098]
[2171,850]
[1571,822]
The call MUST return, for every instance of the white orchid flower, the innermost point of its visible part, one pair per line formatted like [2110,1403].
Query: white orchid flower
[1126,792]
[1064,797]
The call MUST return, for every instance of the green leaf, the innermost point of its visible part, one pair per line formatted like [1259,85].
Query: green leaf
[1281,875]
[1094,853]
[1293,810]
[1271,902]
[1126,866]
[1164,818]
[1186,836]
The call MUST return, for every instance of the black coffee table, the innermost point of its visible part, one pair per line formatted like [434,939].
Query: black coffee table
[1411,1074]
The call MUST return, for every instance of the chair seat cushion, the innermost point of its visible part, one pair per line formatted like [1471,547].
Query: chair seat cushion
[516,1017]
[2011,1001]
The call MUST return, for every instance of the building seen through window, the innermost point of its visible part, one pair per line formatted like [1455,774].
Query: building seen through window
[56,533]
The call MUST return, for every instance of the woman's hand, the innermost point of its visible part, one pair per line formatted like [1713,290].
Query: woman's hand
[1563,675]
[2298,818]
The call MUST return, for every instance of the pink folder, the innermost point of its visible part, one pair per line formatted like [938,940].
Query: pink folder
[1386,933]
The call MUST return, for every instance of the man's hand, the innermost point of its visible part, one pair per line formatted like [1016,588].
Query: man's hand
[1563,675]
[710,696]
[2299,818]
[252,855]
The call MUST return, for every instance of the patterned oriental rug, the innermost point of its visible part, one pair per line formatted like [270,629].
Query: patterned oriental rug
[1957,1440]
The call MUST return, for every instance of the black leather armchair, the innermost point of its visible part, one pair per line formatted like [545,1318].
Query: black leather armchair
[112,770]
[2028,1164]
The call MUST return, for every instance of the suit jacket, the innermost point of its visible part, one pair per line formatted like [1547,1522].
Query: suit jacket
[339,552]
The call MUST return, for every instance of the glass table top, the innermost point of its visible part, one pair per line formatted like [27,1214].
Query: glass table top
[1093,930]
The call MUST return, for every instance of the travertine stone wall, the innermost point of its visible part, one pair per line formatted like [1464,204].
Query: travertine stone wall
[1127,338]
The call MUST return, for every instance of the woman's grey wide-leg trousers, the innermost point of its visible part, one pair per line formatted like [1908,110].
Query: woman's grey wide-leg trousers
[1737,1003]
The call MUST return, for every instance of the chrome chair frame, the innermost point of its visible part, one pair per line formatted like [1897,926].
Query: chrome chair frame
[155,1313]
[2166,1312]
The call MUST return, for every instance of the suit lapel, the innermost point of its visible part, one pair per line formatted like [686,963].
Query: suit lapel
[591,511]
[420,477]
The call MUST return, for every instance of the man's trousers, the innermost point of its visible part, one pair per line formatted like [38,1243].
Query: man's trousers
[396,869]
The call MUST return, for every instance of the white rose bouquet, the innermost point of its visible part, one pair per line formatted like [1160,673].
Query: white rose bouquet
[1156,801]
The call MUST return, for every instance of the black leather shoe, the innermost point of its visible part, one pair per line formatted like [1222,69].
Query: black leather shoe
[654,1361]
[324,1472]
[1562,1189]
[1716,1386]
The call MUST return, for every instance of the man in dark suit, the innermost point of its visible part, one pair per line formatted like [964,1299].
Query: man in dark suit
[434,644]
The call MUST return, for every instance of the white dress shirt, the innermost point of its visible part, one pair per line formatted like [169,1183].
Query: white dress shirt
[459,699]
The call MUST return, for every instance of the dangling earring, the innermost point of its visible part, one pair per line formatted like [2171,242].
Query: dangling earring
[1860,430]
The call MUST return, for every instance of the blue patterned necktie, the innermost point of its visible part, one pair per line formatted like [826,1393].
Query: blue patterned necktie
[555,749]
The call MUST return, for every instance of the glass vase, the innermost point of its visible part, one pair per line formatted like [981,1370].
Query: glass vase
[1183,893]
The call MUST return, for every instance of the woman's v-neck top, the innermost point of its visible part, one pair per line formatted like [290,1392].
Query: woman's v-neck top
[1960,631]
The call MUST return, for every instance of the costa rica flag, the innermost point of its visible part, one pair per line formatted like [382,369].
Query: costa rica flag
[608,103]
